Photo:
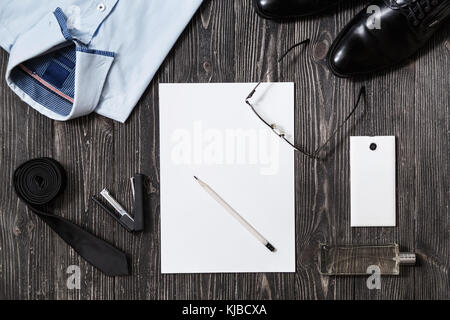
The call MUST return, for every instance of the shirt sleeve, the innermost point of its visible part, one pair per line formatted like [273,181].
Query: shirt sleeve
[53,69]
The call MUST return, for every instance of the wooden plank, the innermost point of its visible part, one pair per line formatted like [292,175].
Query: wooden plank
[322,102]
[208,46]
[386,116]
[258,43]
[432,163]
[84,147]
[27,267]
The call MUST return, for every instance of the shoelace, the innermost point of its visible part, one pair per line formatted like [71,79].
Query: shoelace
[418,9]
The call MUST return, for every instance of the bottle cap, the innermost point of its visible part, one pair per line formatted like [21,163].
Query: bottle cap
[407,258]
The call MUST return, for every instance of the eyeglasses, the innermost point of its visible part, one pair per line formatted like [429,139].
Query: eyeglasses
[277,130]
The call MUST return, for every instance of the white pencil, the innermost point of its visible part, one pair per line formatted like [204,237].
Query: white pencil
[236,215]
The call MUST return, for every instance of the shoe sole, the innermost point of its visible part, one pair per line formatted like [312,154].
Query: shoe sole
[276,17]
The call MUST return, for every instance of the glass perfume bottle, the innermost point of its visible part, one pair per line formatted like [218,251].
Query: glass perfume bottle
[359,260]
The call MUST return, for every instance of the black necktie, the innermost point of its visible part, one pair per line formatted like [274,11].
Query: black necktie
[38,182]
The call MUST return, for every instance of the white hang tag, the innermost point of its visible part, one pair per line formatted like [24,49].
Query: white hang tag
[372,181]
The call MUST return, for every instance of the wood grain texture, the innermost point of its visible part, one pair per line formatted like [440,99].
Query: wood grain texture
[227,42]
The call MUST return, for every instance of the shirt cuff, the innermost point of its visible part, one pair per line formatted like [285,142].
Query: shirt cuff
[52,73]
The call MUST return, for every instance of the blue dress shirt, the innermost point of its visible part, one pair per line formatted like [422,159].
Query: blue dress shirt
[69,58]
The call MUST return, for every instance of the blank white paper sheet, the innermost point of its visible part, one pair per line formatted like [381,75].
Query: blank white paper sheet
[207,130]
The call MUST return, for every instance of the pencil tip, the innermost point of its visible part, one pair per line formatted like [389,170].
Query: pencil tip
[271,247]
[195,178]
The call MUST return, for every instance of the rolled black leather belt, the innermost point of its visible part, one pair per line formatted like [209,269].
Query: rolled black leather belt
[38,183]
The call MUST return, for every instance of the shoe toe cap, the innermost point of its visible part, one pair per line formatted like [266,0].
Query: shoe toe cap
[268,7]
[354,54]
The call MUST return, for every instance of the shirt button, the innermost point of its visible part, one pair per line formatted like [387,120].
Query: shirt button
[101,7]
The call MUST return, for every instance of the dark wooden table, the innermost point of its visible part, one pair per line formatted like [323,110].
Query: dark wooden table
[227,42]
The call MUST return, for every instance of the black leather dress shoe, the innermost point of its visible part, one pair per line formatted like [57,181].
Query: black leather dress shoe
[279,9]
[403,27]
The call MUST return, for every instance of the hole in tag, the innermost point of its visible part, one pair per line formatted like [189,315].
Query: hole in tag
[373,146]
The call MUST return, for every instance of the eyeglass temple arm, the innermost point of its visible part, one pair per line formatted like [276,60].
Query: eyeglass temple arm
[304,42]
[362,94]
[314,155]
